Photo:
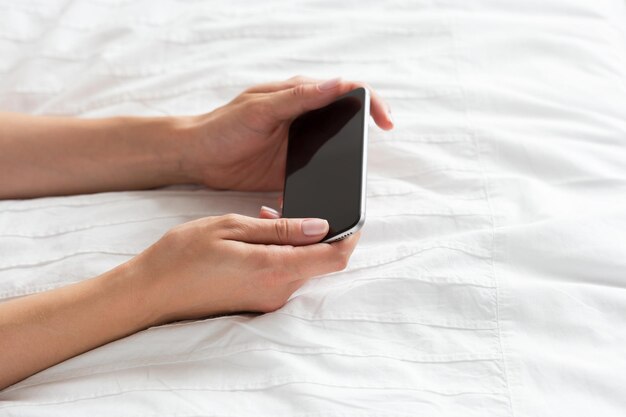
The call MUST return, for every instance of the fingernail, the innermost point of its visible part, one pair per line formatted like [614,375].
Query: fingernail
[329,84]
[314,227]
[389,116]
[269,210]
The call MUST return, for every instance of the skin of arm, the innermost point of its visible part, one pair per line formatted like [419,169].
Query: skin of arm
[239,146]
[41,156]
[211,266]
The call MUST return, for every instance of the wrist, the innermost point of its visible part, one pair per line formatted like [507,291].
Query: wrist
[188,131]
[175,138]
[130,296]
[198,160]
[135,152]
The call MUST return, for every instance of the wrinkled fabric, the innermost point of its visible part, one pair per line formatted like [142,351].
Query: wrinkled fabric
[491,274]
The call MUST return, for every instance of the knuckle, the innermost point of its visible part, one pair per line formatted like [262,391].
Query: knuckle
[298,79]
[299,91]
[282,229]
[181,241]
[231,223]
[229,220]
[341,261]
[175,235]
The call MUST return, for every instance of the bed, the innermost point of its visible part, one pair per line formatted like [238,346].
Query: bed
[490,279]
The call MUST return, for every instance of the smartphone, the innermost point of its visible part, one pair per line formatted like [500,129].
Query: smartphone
[325,173]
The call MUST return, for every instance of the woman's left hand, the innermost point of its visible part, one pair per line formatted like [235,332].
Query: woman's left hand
[243,145]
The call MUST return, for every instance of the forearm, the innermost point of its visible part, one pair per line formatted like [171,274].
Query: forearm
[42,330]
[57,156]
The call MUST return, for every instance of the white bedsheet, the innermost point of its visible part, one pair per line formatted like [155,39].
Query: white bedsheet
[491,275]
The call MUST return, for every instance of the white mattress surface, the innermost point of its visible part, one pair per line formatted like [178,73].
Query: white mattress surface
[491,274]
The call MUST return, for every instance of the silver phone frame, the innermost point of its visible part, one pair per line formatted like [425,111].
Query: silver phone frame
[361,222]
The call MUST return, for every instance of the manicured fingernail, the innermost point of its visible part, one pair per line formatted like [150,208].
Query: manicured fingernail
[314,227]
[269,210]
[329,84]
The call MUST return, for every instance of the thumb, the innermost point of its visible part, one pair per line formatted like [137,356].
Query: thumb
[282,231]
[292,102]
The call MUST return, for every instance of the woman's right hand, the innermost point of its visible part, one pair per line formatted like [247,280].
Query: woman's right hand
[233,263]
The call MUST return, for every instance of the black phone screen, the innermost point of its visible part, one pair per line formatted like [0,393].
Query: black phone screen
[325,164]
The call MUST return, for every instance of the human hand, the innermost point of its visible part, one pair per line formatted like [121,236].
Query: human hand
[211,266]
[243,145]
[233,263]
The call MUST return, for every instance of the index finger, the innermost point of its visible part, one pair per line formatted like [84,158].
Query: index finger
[292,102]
[272,87]
[305,262]
[379,110]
